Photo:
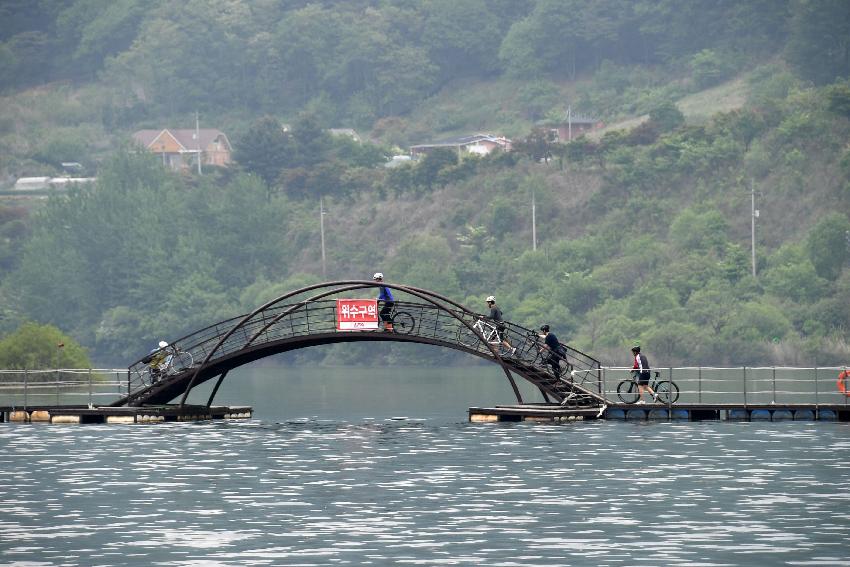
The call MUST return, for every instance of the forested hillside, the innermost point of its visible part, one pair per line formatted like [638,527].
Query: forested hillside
[644,233]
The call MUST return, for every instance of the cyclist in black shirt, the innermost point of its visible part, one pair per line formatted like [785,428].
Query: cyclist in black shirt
[556,352]
[641,368]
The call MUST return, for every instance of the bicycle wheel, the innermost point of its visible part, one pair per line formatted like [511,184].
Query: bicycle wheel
[467,337]
[144,377]
[183,361]
[628,391]
[403,323]
[667,392]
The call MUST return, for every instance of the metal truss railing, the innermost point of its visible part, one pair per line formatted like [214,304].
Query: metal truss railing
[432,324]
[745,385]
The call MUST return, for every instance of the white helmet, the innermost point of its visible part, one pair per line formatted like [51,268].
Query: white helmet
[491,299]
[163,344]
[378,276]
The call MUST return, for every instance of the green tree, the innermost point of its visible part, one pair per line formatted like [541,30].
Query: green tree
[405,76]
[667,116]
[758,321]
[91,30]
[459,36]
[827,244]
[713,307]
[536,98]
[265,149]
[426,262]
[699,228]
[584,31]
[792,276]
[654,302]
[674,341]
[29,57]
[708,68]
[579,292]
[312,141]
[34,346]
[428,169]
[838,97]
[538,145]
[819,45]
[302,42]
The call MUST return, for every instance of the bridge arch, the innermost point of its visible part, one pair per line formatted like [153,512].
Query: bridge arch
[276,327]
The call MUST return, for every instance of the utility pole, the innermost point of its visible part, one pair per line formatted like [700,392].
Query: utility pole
[322,231]
[533,223]
[570,122]
[198,139]
[754,213]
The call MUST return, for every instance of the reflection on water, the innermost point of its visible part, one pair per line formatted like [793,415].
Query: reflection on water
[358,393]
[282,490]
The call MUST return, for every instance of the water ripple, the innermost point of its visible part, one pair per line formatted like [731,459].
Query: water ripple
[313,492]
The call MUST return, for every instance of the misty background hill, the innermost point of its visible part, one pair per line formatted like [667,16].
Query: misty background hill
[643,225]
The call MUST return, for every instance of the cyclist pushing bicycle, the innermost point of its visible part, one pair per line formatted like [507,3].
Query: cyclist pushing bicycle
[553,349]
[165,361]
[496,317]
[158,360]
[643,374]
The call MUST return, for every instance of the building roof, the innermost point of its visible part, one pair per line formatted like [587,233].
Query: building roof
[184,136]
[464,141]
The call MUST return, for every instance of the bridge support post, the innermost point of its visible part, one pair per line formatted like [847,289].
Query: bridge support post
[215,388]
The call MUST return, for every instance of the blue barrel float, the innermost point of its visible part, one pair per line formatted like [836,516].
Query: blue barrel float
[783,415]
[636,415]
[680,415]
[659,414]
[760,415]
[738,415]
[615,413]
[804,415]
[826,415]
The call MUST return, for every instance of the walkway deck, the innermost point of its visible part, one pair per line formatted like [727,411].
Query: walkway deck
[149,414]
[660,412]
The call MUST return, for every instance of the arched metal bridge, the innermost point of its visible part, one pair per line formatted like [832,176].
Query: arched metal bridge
[307,317]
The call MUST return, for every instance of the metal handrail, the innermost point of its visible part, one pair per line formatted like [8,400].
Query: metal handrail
[766,385]
[744,385]
[301,319]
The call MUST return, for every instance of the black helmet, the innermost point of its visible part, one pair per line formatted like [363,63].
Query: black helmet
[636,349]
[544,328]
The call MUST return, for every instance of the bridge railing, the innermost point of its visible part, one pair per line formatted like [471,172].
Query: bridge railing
[698,385]
[301,319]
[579,368]
[62,386]
[744,385]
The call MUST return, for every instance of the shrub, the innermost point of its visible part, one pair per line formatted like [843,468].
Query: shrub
[34,346]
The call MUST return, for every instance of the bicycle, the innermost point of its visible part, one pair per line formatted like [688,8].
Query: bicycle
[666,391]
[488,330]
[175,362]
[402,321]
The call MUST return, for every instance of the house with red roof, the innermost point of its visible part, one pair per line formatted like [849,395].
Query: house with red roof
[180,148]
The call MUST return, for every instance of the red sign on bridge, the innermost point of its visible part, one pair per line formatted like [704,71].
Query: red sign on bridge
[356,314]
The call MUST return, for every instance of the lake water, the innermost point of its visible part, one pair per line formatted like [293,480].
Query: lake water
[329,474]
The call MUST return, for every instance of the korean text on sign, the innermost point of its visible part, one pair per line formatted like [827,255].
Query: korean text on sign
[356,314]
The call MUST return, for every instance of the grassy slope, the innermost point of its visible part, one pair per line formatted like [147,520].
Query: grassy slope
[697,107]
[355,229]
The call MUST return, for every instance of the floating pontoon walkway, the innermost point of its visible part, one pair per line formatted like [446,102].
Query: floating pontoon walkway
[148,414]
[661,412]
